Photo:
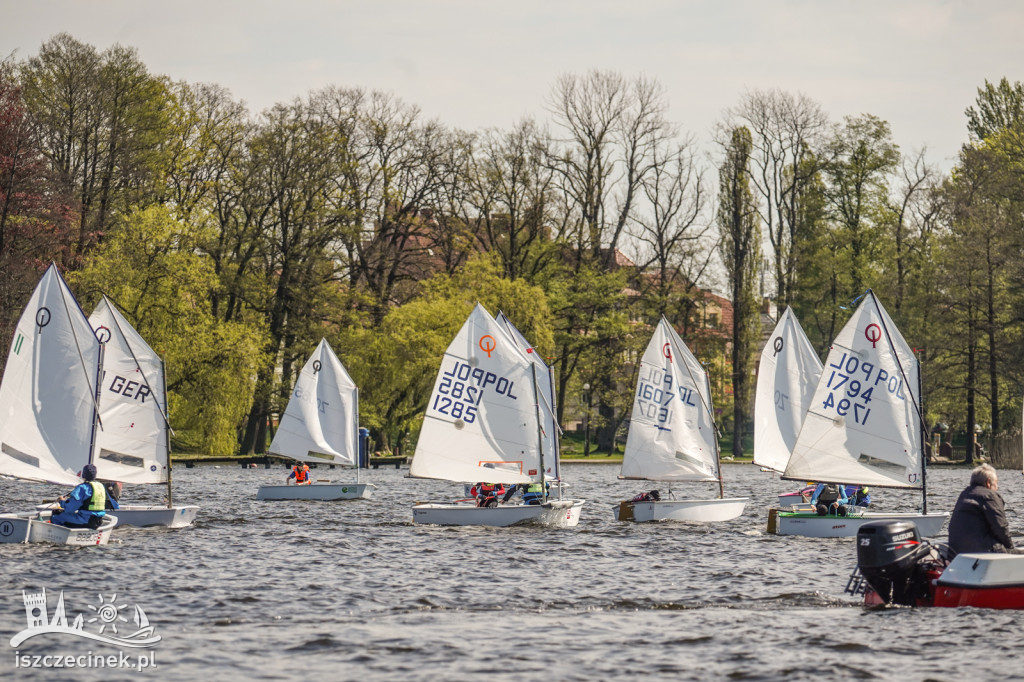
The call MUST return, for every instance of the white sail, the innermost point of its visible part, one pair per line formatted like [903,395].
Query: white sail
[863,426]
[671,430]
[132,445]
[546,391]
[786,380]
[47,396]
[481,422]
[321,421]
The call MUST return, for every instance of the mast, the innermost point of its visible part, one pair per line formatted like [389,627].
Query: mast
[355,428]
[167,430]
[96,406]
[924,435]
[540,433]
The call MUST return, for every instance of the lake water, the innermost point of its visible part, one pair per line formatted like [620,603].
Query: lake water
[353,590]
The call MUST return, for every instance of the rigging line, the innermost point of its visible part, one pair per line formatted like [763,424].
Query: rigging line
[62,285]
[138,366]
[896,357]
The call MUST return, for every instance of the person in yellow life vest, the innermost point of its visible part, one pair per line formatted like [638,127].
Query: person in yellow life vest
[300,472]
[85,506]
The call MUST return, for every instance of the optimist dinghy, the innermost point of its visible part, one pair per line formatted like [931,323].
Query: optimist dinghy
[486,421]
[672,435]
[134,443]
[49,399]
[320,425]
[864,427]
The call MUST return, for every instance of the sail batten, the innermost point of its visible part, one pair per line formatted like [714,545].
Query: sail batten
[863,426]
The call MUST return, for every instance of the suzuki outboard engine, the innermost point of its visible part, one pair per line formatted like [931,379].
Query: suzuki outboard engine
[896,562]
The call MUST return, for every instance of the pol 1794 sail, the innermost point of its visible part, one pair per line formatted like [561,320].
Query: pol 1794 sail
[132,446]
[671,431]
[48,397]
[481,422]
[786,380]
[321,421]
[864,425]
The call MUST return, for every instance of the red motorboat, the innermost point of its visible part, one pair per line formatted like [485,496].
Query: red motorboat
[894,566]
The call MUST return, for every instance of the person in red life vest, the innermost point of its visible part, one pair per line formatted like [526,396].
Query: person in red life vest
[300,472]
[487,494]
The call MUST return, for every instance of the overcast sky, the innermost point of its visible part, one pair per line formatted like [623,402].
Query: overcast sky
[475,64]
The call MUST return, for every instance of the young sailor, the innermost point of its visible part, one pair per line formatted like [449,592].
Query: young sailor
[85,506]
[300,472]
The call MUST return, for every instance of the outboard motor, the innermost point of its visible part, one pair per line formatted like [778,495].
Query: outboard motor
[896,562]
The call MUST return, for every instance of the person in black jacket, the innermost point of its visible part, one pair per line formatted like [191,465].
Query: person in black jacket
[979,523]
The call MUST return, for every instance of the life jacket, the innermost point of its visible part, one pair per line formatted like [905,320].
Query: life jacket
[829,494]
[98,501]
[488,489]
[534,494]
[301,473]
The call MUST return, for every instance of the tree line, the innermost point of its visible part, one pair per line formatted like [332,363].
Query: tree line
[235,240]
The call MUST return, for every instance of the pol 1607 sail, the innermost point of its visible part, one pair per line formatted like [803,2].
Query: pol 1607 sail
[671,431]
[786,381]
[482,421]
[133,406]
[864,424]
[48,396]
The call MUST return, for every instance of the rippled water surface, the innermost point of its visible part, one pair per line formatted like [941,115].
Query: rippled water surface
[353,590]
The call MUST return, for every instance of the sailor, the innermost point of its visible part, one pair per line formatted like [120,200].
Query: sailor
[487,494]
[858,495]
[113,489]
[300,472]
[84,506]
[652,496]
[830,498]
[533,493]
[979,522]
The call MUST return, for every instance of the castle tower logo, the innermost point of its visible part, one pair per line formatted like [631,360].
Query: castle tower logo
[107,617]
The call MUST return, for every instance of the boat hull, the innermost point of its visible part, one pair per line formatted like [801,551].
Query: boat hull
[813,526]
[553,513]
[985,581]
[35,527]
[316,491]
[789,499]
[143,516]
[698,511]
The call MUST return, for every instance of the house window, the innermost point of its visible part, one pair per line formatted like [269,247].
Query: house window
[712,320]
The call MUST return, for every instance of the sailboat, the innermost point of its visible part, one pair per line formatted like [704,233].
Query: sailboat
[551,431]
[485,422]
[49,402]
[134,444]
[672,435]
[786,379]
[320,425]
[864,426]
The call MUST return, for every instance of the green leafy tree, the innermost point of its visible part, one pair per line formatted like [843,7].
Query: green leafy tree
[151,269]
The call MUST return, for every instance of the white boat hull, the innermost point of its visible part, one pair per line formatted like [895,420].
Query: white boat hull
[698,511]
[171,517]
[316,491]
[788,499]
[35,527]
[813,526]
[553,513]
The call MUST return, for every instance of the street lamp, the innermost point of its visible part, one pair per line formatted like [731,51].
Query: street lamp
[586,420]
